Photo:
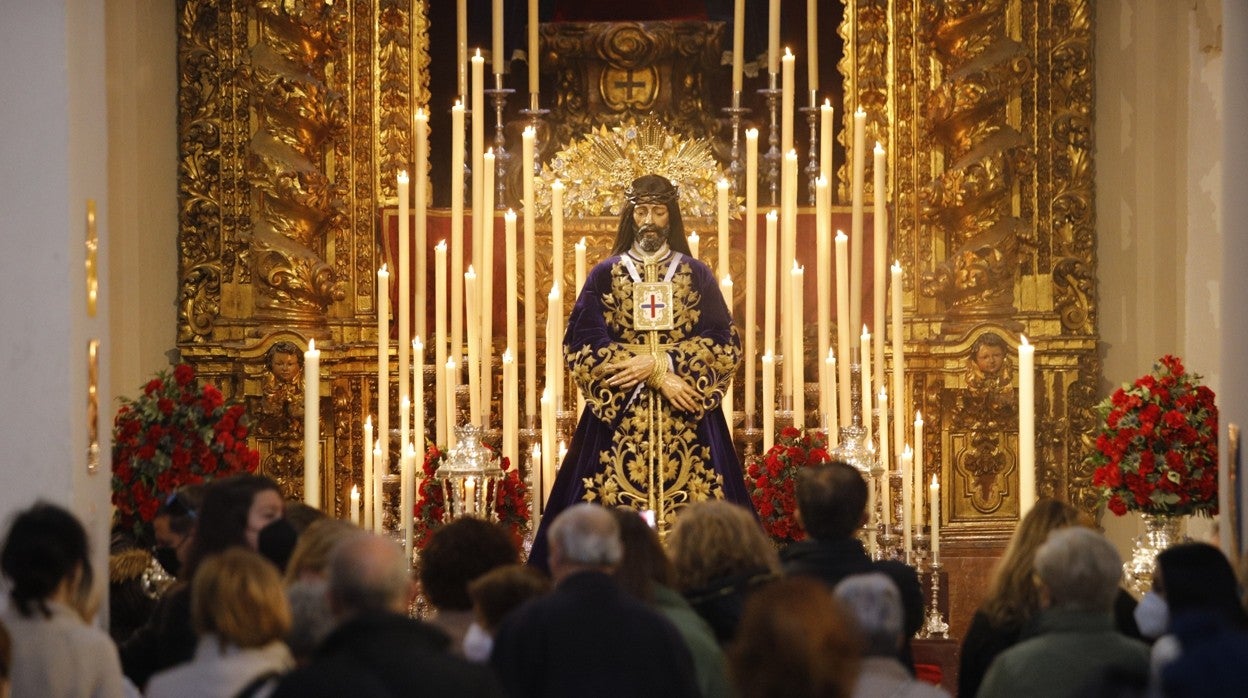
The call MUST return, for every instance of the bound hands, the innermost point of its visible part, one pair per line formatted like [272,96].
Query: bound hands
[628,373]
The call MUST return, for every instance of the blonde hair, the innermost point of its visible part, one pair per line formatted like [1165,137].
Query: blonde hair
[716,539]
[1012,595]
[237,596]
[311,553]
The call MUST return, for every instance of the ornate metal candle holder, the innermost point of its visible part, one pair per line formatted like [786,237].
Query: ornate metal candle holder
[854,447]
[499,96]
[735,169]
[812,163]
[772,93]
[934,625]
[469,476]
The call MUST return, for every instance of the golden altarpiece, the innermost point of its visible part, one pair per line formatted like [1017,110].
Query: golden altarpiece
[294,118]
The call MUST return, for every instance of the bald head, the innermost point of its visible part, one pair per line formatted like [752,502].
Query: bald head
[368,573]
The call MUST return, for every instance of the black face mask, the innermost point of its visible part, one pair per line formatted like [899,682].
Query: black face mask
[277,541]
[168,558]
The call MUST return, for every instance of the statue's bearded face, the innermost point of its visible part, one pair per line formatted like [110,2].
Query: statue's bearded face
[652,226]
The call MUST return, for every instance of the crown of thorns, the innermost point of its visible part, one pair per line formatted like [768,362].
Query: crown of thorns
[667,196]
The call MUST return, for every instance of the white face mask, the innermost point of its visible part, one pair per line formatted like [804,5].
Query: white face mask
[1152,615]
[478,644]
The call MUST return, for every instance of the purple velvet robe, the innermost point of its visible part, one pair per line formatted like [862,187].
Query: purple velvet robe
[631,447]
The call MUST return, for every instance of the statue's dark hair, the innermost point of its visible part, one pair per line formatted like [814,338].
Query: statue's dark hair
[651,189]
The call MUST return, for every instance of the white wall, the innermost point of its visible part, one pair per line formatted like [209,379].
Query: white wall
[54,151]
[1234,211]
[1158,161]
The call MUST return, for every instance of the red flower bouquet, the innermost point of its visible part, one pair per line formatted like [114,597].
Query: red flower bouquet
[178,432]
[771,480]
[1156,451]
[510,501]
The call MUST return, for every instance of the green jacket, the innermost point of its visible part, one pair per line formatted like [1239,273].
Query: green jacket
[708,658]
[1071,653]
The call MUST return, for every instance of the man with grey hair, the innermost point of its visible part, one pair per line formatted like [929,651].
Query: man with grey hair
[589,637]
[1075,650]
[874,602]
[376,649]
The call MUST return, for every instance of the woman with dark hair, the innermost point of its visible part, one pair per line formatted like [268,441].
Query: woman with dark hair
[47,562]
[1205,650]
[234,511]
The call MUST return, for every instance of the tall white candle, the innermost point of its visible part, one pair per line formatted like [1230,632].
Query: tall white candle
[511,407]
[473,307]
[899,365]
[788,254]
[721,189]
[823,290]
[405,302]
[418,405]
[1026,427]
[864,357]
[812,46]
[378,485]
[478,158]
[498,57]
[407,482]
[769,401]
[421,297]
[695,244]
[312,426]
[556,235]
[369,490]
[581,266]
[725,289]
[918,470]
[934,491]
[405,417]
[856,220]
[549,431]
[383,368]
[882,454]
[787,89]
[773,36]
[512,296]
[485,289]
[843,329]
[441,386]
[907,493]
[796,350]
[826,138]
[554,345]
[461,46]
[534,65]
[355,505]
[770,307]
[738,45]
[528,138]
[535,483]
[832,422]
[879,276]
[751,266]
[455,277]
[452,377]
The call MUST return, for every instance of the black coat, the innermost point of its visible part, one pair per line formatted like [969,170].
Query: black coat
[589,638]
[384,655]
[165,640]
[834,560]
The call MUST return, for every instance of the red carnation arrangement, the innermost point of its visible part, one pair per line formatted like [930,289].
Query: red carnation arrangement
[510,501]
[178,432]
[1157,448]
[771,481]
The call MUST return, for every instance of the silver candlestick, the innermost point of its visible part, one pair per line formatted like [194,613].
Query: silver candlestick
[773,139]
[735,168]
[499,96]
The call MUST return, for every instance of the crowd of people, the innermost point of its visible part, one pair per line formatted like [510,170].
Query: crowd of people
[266,598]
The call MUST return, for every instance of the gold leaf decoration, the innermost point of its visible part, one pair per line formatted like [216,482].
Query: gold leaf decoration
[597,168]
